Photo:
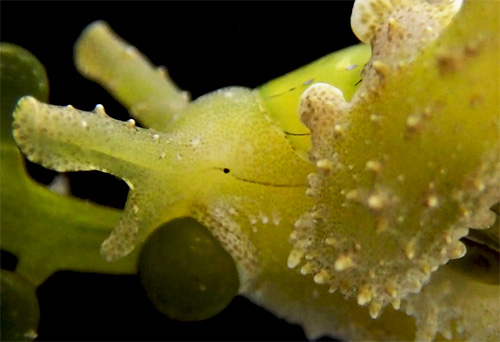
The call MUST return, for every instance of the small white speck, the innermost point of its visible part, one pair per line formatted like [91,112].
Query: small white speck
[432,201]
[60,185]
[84,123]
[162,71]
[99,109]
[130,50]
[195,142]
[31,334]
[350,67]
[294,258]
[376,202]
[130,123]
[156,136]
[252,220]
[228,94]
[276,219]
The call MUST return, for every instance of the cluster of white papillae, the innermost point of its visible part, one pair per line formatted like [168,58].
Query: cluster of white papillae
[383,221]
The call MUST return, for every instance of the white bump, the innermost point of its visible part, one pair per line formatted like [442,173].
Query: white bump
[130,50]
[373,165]
[409,251]
[60,184]
[195,142]
[396,303]
[371,274]
[294,258]
[252,220]
[391,290]
[84,123]
[30,334]
[156,136]
[162,71]
[338,129]
[381,68]
[376,118]
[130,123]
[374,310]
[324,164]
[321,277]
[432,201]
[99,109]
[307,269]
[364,296]
[276,219]
[331,242]
[478,185]
[343,262]
[376,201]
[457,251]
[353,195]
[413,121]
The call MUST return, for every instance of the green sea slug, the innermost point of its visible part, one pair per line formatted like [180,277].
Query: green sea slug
[340,192]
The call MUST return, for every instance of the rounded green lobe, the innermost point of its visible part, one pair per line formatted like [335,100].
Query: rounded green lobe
[20,74]
[185,271]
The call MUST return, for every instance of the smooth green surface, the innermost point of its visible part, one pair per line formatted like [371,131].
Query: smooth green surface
[186,272]
[281,96]
[145,90]
[20,74]
[19,311]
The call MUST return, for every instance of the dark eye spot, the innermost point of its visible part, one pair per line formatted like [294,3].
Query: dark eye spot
[226,170]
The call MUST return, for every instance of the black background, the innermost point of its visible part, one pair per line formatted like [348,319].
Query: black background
[205,46]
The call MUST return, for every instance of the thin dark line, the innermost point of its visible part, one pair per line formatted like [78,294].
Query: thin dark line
[261,183]
[270,184]
[296,134]
[283,92]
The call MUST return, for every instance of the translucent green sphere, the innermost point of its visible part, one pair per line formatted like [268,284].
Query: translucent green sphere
[185,271]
